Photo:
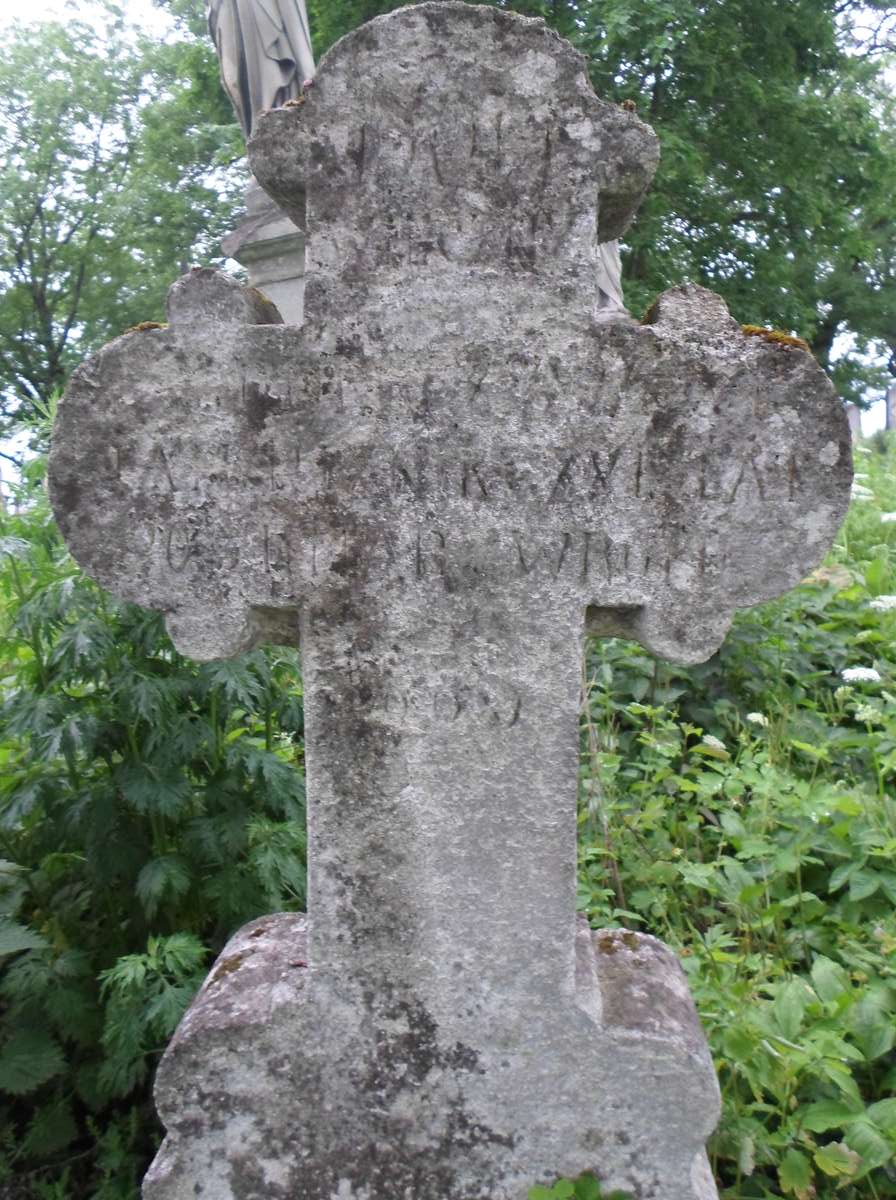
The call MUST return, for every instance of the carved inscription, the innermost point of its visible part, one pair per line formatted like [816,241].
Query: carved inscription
[449,515]
[565,478]
[459,224]
[587,556]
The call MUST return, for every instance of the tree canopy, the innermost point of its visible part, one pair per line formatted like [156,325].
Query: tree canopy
[108,190]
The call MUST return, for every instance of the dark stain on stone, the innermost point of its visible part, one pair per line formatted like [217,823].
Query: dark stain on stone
[349,348]
[259,405]
[228,965]
[413,1052]
[66,495]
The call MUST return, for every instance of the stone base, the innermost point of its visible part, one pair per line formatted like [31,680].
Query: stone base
[273,1087]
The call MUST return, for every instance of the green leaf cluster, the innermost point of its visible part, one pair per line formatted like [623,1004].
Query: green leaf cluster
[113,181]
[148,806]
[744,811]
[586,1187]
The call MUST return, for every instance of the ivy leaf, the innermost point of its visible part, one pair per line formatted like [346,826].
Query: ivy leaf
[27,1060]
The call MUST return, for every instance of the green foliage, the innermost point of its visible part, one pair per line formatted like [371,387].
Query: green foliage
[108,189]
[148,806]
[743,811]
[586,1187]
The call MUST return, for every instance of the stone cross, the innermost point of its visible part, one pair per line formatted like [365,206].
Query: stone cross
[438,484]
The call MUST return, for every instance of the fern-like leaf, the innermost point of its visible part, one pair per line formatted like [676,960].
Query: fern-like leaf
[28,1059]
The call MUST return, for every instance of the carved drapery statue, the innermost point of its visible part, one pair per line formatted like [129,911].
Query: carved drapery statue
[609,279]
[264,48]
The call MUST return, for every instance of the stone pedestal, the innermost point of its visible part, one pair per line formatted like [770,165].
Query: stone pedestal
[236,1081]
[272,248]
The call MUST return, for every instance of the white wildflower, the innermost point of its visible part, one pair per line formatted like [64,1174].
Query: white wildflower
[869,715]
[714,742]
[843,693]
[886,518]
[860,675]
[883,603]
[758,718]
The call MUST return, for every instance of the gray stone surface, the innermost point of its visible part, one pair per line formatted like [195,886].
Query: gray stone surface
[229,1095]
[272,249]
[439,481]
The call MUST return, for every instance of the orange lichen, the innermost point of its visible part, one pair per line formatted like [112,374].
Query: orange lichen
[777,336]
[144,325]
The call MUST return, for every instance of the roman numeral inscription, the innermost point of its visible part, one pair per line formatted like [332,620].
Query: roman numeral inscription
[437,484]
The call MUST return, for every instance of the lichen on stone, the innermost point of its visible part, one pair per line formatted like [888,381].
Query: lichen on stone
[228,965]
[143,326]
[776,336]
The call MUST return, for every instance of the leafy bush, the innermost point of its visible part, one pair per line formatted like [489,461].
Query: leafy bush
[148,807]
[743,811]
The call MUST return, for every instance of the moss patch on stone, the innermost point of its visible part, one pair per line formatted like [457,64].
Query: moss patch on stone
[776,336]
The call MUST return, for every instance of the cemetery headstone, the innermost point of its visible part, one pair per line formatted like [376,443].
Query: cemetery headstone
[438,484]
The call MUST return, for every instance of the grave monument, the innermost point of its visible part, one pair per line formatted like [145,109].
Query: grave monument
[437,485]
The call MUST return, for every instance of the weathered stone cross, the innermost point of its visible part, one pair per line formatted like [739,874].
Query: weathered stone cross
[438,483]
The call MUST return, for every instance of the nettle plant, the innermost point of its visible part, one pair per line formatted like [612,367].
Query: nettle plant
[148,806]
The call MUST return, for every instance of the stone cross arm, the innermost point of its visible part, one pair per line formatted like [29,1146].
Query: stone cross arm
[451,419]
[658,476]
